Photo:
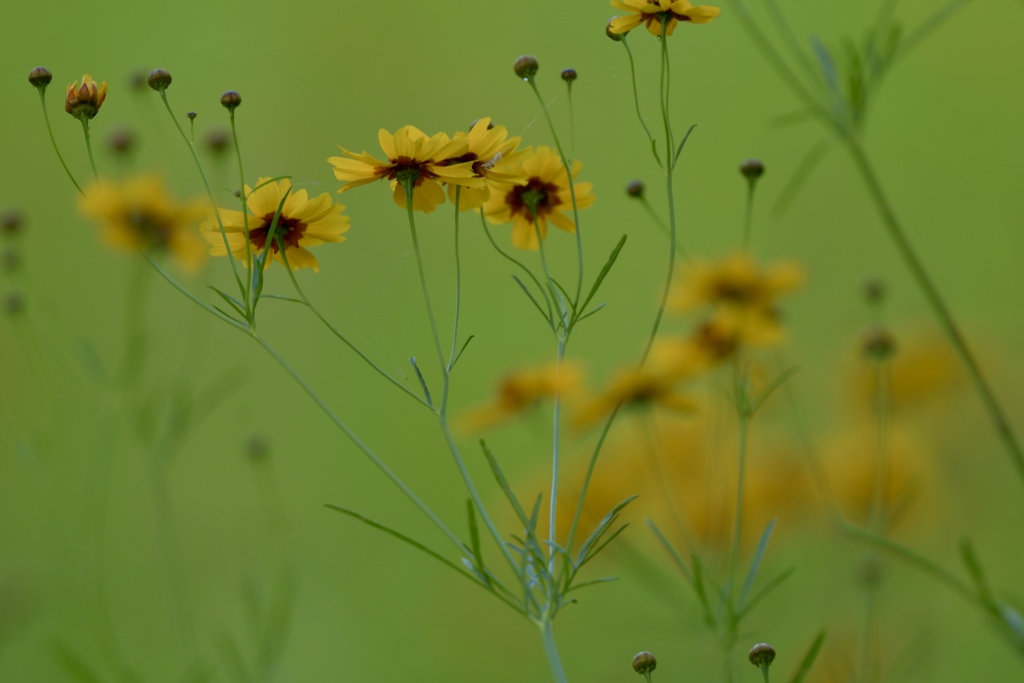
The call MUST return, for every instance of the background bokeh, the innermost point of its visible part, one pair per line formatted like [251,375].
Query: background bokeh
[313,75]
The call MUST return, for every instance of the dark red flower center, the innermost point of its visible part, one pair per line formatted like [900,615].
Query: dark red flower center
[406,167]
[535,198]
[288,230]
[154,231]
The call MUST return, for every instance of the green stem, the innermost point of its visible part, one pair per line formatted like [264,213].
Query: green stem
[408,184]
[555,450]
[636,100]
[340,335]
[551,650]
[512,259]
[216,211]
[572,190]
[458,281]
[88,146]
[743,416]
[53,141]
[938,305]
[245,212]
[764,671]
[749,220]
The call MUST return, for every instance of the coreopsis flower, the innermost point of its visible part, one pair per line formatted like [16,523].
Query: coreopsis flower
[84,101]
[654,13]
[138,214]
[520,392]
[412,156]
[489,145]
[743,294]
[541,195]
[303,222]
[635,388]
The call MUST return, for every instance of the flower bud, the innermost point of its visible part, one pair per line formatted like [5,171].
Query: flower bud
[568,75]
[761,655]
[617,37]
[191,115]
[752,169]
[40,77]
[526,67]
[159,80]
[636,189]
[11,222]
[230,100]
[874,291]
[85,101]
[217,140]
[122,141]
[878,344]
[14,303]
[644,663]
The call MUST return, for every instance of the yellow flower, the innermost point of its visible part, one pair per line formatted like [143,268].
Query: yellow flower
[648,386]
[654,12]
[744,295]
[137,214]
[85,101]
[488,146]
[544,194]
[412,155]
[303,222]
[521,391]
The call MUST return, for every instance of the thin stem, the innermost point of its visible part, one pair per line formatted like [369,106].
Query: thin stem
[53,141]
[216,211]
[743,416]
[88,146]
[340,335]
[938,305]
[572,189]
[749,220]
[423,275]
[661,225]
[367,451]
[555,449]
[589,475]
[636,100]
[551,650]
[245,212]
[509,257]
[458,281]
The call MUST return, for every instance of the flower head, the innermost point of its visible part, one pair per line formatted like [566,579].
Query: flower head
[521,391]
[414,157]
[635,388]
[489,146]
[541,194]
[654,13]
[84,101]
[137,213]
[743,293]
[300,222]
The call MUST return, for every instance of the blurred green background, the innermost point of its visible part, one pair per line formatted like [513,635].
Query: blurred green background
[313,75]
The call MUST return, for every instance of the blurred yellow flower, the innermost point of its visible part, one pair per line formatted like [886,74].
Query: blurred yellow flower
[137,214]
[85,101]
[743,294]
[488,146]
[542,192]
[520,392]
[303,222]
[635,388]
[654,12]
[411,154]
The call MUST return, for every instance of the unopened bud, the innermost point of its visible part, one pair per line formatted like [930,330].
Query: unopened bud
[217,140]
[122,141]
[159,79]
[11,222]
[617,37]
[40,77]
[569,75]
[878,343]
[636,189]
[761,655]
[526,67]
[191,115]
[230,100]
[752,169]
[644,663]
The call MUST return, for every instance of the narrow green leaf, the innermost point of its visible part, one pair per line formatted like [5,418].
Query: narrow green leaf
[598,548]
[682,144]
[772,386]
[499,476]
[232,301]
[402,537]
[815,155]
[459,354]
[474,541]
[604,272]
[596,309]
[592,582]
[755,564]
[977,573]
[565,294]
[227,316]
[808,661]
[72,664]
[763,593]
[602,527]
[280,297]
[423,382]
[673,553]
[526,291]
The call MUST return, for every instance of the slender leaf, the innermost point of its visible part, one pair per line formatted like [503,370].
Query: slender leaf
[281,297]
[598,548]
[602,527]
[459,354]
[232,301]
[423,382]
[587,315]
[593,582]
[474,541]
[755,564]
[763,593]
[604,272]
[808,661]
[499,476]
[772,386]
[546,316]
[682,144]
